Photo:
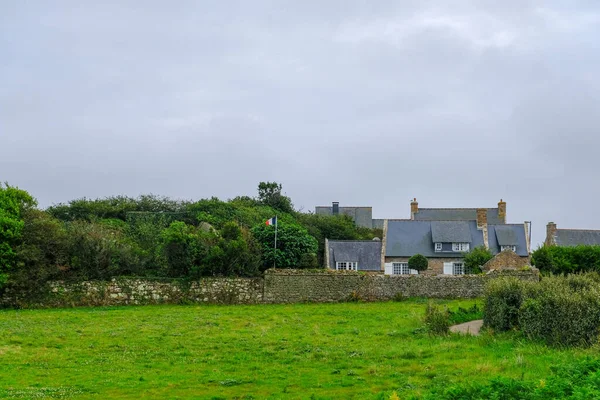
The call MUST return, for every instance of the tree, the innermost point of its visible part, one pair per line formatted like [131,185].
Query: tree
[476,258]
[269,194]
[13,203]
[295,246]
[418,262]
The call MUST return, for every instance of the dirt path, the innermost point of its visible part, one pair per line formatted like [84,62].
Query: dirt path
[471,327]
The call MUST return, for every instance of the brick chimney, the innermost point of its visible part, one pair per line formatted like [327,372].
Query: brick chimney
[502,211]
[414,208]
[550,234]
[481,218]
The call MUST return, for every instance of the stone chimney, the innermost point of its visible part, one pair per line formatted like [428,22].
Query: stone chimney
[550,234]
[502,211]
[414,208]
[481,218]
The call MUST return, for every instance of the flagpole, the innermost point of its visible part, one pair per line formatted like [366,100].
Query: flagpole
[275,249]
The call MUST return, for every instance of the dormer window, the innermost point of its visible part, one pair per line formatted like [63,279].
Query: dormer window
[460,247]
[438,247]
[346,266]
[513,248]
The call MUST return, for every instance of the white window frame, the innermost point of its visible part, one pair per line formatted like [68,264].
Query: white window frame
[460,247]
[438,247]
[509,247]
[399,268]
[346,266]
[458,268]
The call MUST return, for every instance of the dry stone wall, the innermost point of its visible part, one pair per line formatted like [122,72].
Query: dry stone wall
[276,286]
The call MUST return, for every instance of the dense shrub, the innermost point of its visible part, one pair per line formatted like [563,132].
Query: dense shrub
[567,260]
[503,299]
[418,262]
[293,244]
[561,311]
[13,203]
[476,258]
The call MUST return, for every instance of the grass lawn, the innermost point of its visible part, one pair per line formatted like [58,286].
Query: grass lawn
[302,351]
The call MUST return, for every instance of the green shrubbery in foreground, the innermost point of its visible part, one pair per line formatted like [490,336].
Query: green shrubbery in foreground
[579,380]
[562,311]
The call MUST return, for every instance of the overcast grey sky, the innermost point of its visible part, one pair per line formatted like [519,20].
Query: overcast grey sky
[362,102]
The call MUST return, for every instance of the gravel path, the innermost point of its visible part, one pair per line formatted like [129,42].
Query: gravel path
[471,327]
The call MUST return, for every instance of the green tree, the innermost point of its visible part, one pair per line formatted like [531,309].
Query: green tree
[476,258]
[418,262]
[13,203]
[269,194]
[294,245]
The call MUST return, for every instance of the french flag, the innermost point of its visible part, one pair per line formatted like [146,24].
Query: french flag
[272,221]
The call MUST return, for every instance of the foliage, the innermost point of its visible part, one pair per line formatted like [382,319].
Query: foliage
[578,380]
[437,320]
[561,311]
[293,243]
[269,194]
[503,298]
[476,258]
[418,262]
[13,203]
[567,260]
[117,207]
[42,255]
[96,251]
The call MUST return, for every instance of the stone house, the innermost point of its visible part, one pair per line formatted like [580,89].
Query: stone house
[570,237]
[442,241]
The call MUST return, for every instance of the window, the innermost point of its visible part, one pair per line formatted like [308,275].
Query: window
[346,266]
[400,269]
[460,247]
[511,247]
[458,269]
[438,247]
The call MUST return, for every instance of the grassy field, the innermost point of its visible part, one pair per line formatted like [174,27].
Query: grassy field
[303,351]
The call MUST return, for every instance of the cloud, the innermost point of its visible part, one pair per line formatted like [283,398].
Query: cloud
[367,103]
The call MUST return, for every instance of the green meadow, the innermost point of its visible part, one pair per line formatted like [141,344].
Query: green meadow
[300,351]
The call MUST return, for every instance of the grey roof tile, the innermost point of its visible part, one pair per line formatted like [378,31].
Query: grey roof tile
[455,214]
[450,232]
[507,235]
[406,238]
[574,237]
[366,252]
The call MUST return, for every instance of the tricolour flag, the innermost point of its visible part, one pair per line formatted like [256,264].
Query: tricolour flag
[272,221]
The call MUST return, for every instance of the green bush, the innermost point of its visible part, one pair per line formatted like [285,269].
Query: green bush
[437,320]
[567,260]
[463,315]
[562,311]
[503,298]
[418,262]
[476,258]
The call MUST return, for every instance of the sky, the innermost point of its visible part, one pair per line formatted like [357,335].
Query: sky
[362,102]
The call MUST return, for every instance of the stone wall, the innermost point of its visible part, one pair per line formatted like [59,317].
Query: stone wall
[141,291]
[277,286]
[332,286]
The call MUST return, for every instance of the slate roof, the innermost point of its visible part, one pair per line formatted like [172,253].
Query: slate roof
[507,235]
[574,237]
[455,214]
[366,252]
[406,238]
[450,231]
